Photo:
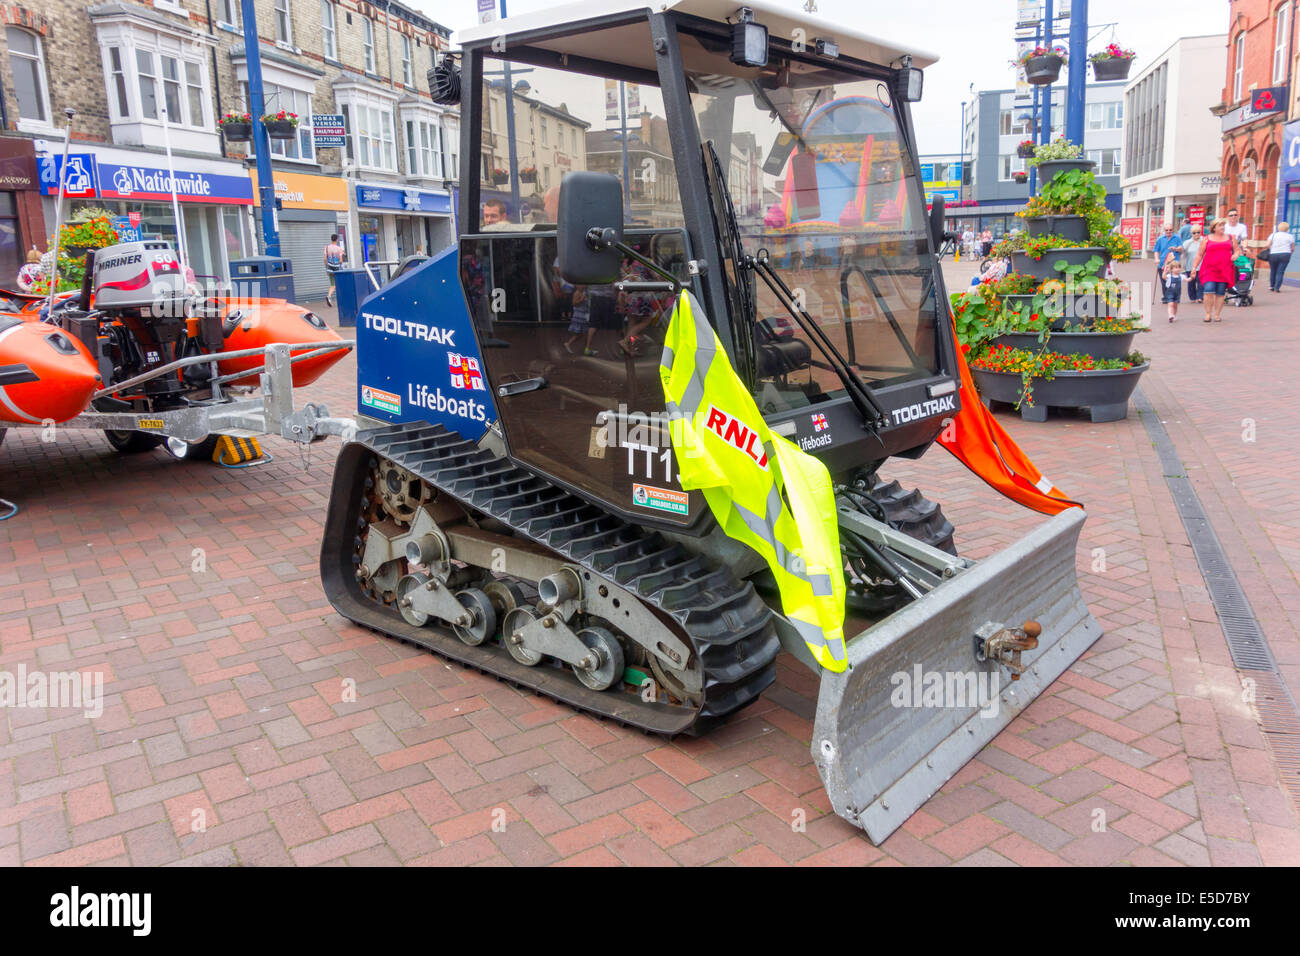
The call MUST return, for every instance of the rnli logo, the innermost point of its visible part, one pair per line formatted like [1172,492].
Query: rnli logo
[736,434]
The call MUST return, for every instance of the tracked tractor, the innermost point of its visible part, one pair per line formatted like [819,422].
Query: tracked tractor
[514,500]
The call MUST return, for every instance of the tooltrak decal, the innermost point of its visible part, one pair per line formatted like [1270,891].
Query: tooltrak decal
[378,398]
[661,499]
[931,406]
[408,329]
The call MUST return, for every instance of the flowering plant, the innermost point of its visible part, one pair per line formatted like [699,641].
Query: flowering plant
[96,233]
[235,118]
[1036,52]
[1059,148]
[1026,142]
[527,170]
[1113,51]
[282,116]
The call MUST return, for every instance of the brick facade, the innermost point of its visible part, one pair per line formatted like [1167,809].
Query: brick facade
[1251,152]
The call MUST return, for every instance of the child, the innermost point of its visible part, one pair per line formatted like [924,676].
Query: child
[1172,275]
[581,320]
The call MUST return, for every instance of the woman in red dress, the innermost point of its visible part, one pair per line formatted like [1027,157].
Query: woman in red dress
[1214,269]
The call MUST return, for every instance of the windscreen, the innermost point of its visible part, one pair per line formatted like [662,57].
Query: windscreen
[822,182]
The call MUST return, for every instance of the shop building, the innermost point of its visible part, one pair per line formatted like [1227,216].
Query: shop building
[22,223]
[145,76]
[996,123]
[1253,108]
[1171,141]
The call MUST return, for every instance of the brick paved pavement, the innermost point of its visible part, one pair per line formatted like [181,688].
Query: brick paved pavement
[223,678]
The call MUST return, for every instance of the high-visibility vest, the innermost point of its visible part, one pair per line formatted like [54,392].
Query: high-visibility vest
[762,489]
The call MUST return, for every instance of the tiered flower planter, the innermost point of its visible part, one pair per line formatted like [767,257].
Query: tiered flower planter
[1104,392]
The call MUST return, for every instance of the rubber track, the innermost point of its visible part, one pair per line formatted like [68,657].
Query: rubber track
[723,618]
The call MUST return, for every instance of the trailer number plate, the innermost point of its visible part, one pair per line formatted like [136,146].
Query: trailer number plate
[154,424]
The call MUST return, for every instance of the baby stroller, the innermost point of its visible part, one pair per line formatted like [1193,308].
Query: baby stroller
[1239,292]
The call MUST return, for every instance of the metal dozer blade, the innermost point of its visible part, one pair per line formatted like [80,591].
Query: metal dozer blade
[929,686]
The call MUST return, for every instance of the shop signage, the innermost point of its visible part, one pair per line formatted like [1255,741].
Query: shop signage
[1196,216]
[153,183]
[127,228]
[18,164]
[305,191]
[403,199]
[1211,182]
[328,131]
[1131,229]
[81,179]
[1291,153]
[1265,101]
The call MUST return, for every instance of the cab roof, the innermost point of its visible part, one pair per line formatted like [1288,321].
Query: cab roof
[776,15]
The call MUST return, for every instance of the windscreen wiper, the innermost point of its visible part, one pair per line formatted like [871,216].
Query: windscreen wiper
[873,414]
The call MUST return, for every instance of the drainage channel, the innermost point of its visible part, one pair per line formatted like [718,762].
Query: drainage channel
[1279,717]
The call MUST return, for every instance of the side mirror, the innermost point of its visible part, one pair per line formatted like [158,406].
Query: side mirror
[936,220]
[589,201]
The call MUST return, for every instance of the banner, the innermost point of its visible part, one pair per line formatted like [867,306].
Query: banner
[633,99]
[1196,216]
[1131,229]
[611,101]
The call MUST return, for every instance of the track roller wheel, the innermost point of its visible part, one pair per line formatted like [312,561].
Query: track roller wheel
[516,621]
[608,667]
[480,619]
[408,584]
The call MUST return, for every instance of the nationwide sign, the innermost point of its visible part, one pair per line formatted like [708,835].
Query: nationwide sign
[145,182]
[1264,101]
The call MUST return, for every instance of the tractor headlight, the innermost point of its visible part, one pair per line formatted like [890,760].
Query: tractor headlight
[908,83]
[748,40]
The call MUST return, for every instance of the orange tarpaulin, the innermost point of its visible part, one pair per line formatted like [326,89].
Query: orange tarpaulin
[983,446]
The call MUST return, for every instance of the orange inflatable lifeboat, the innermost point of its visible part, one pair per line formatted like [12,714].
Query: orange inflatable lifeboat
[45,374]
[256,323]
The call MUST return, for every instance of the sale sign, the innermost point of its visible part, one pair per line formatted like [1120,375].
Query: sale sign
[1131,229]
[1196,216]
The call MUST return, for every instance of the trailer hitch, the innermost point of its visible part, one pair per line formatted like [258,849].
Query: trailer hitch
[995,642]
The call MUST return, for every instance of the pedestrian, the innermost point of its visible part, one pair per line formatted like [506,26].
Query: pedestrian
[1280,245]
[1237,229]
[1172,284]
[1190,249]
[334,256]
[1214,268]
[580,321]
[986,242]
[1184,229]
[1167,242]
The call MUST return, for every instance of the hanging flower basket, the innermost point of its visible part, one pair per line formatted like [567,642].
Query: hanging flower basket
[236,127]
[1043,64]
[528,174]
[1021,178]
[281,125]
[500,177]
[1026,149]
[1111,63]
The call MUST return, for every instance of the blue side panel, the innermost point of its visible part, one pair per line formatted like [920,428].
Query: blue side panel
[417,357]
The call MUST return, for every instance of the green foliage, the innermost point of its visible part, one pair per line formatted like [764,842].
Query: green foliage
[1120,249]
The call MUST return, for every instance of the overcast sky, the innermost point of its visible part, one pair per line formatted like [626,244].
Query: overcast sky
[973,39]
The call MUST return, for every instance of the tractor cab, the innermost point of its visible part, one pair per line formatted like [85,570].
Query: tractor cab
[763,161]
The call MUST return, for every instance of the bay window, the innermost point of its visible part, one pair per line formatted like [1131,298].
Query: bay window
[27,60]
[424,148]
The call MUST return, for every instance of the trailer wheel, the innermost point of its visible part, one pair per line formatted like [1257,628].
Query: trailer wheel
[132,443]
[192,451]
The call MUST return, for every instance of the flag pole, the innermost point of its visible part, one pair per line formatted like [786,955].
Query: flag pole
[69,112]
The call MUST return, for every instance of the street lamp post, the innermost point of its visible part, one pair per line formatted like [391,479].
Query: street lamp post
[961,164]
